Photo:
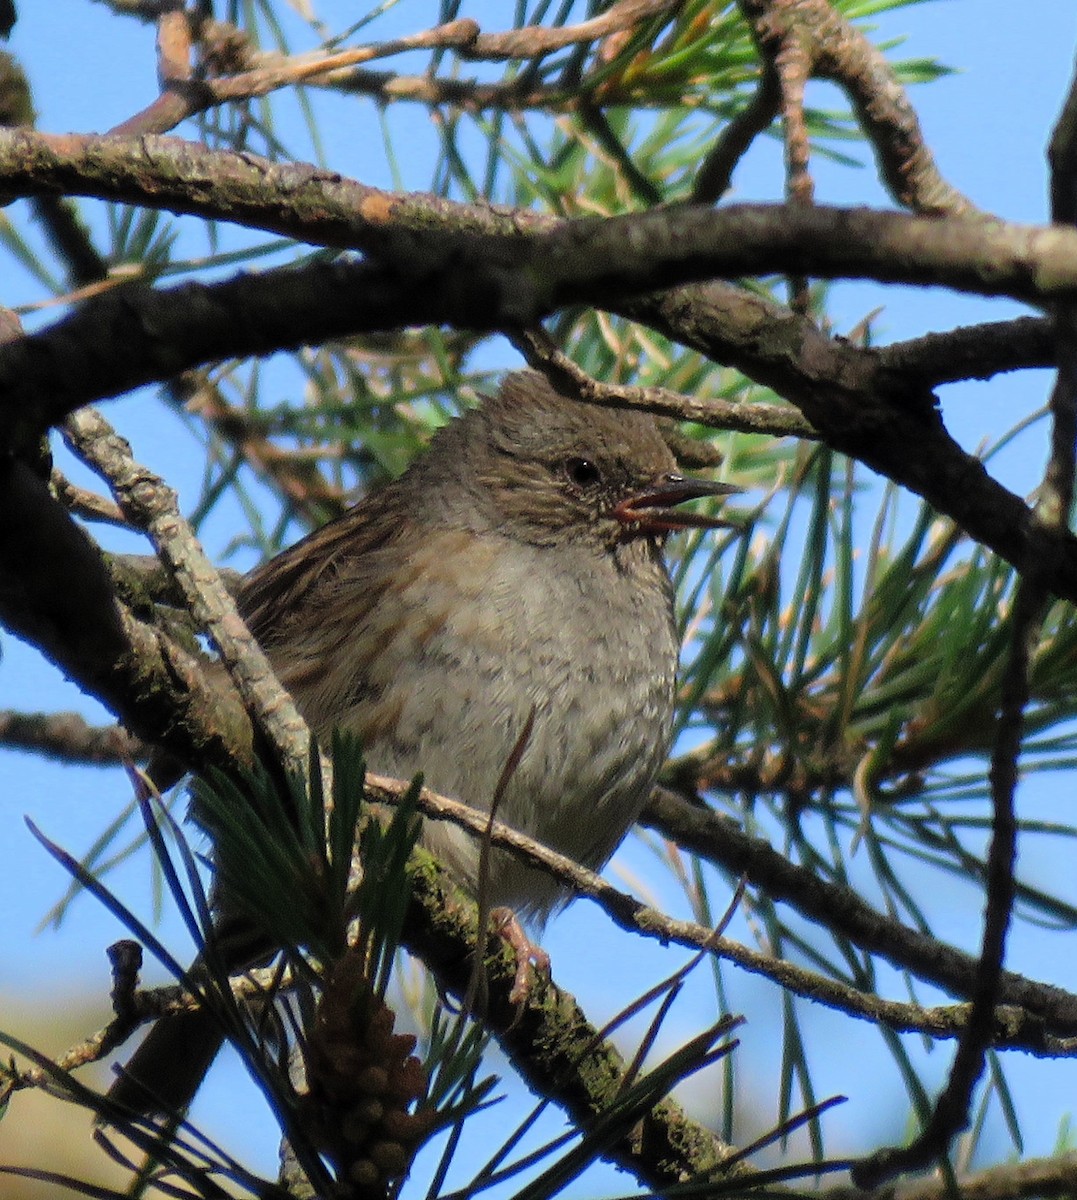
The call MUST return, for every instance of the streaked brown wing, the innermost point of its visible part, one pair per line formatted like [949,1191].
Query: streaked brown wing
[272,593]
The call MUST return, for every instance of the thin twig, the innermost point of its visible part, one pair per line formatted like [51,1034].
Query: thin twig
[143,1006]
[722,841]
[829,46]
[541,353]
[86,504]
[971,351]
[1033,1179]
[68,737]
[715,174]
[632,915]
[182,96]
[151,505]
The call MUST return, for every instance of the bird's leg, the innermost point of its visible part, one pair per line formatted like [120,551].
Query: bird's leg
[507,925]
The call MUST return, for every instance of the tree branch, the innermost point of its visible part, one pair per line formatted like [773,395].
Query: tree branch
[1035,1178]
[56,594]
[547,262]
[857,405]
[150,505]
[833,48]
[721,840]
[67,737]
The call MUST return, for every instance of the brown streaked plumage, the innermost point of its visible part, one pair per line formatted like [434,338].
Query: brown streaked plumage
[511,578]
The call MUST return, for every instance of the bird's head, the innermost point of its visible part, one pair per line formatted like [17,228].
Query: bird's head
[549,469]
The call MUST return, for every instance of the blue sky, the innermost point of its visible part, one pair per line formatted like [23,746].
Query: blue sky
[988,125]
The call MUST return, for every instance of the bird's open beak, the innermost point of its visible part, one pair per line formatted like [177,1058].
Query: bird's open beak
[654,510]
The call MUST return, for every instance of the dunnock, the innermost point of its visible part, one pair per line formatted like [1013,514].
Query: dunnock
[513,576]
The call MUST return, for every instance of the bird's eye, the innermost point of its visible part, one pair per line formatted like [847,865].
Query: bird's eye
[582,472]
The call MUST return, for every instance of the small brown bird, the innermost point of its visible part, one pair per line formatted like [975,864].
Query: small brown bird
[512,578]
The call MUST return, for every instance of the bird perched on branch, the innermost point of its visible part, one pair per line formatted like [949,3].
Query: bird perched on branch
[505,596]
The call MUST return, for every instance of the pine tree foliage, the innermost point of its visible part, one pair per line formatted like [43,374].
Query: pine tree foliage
[328,231]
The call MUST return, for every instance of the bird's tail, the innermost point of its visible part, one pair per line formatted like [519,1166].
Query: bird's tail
[168,1068]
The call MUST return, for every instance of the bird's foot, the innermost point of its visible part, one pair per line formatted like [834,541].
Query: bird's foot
[528,954]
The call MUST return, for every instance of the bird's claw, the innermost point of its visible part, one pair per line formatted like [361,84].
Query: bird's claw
[528,954]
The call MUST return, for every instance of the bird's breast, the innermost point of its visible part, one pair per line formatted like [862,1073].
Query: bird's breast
[470,641]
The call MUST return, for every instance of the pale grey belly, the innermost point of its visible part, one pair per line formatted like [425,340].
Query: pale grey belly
[447,676]
[601,723]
